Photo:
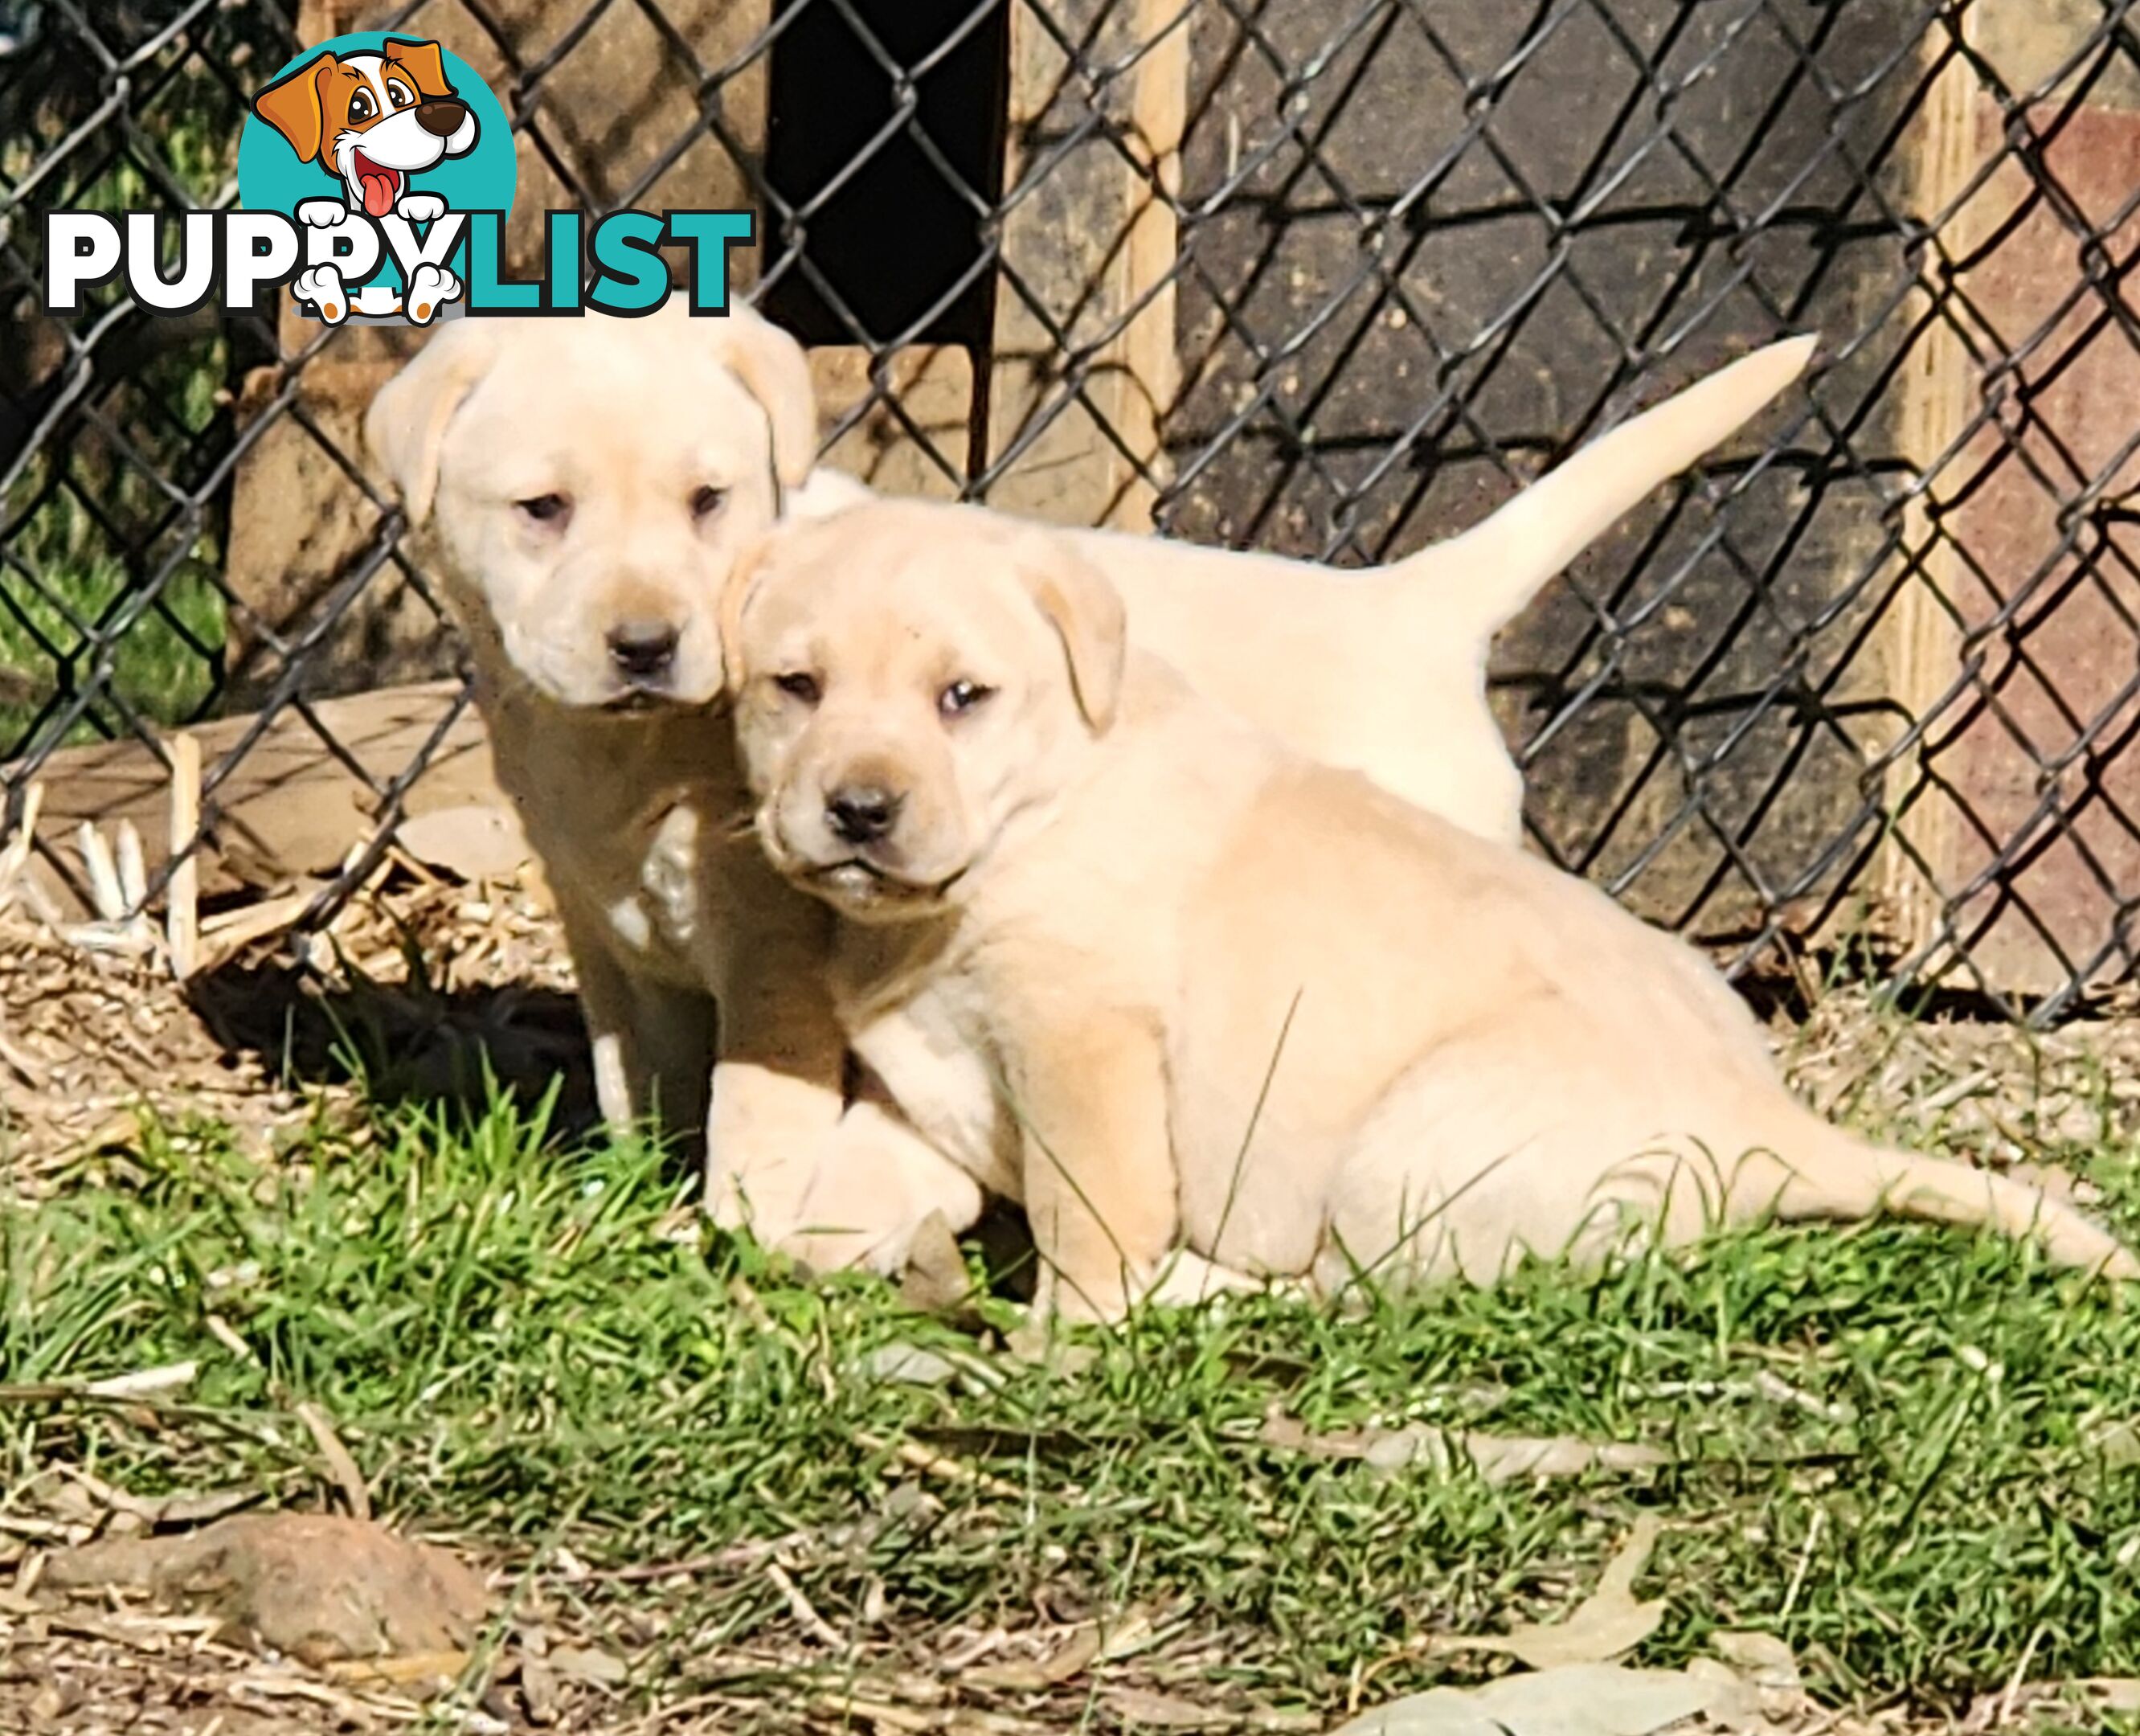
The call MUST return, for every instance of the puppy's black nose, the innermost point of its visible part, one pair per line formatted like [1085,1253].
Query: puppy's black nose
[642,650]
[442,115]
[861,813]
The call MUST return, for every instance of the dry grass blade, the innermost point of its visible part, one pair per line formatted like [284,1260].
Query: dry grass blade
[144,1382]
[935,1464]
[803,1610]
[340,1465]
[106,895]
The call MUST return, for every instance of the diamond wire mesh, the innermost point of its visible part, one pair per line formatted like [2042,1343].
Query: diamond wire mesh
[1875,675]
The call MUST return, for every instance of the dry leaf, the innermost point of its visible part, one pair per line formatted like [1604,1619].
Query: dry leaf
[1040,1338]
[1496,1457]
[1036,1676]
[905,1364]
[538,1689]
[1507,1458]
[1606,1625]
[2119,1444]
[162,1510]
[1165,1712]
[1761,1659]
[1576,1700]
[436,1668]
[587,1664]
[1762,1694]
[1132,1631]
[910,1364]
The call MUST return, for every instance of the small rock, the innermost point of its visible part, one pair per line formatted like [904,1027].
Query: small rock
[318,1587]
[906,1365]
[2081,1124]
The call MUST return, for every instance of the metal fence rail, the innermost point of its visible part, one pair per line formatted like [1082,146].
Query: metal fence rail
[1327,280]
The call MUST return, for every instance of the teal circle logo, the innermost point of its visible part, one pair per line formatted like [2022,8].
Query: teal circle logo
[385,147]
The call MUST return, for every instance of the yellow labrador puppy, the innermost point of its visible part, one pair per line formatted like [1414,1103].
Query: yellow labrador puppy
[592,480]
[1138,963]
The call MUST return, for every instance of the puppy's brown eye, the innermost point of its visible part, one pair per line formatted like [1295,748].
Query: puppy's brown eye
[360,106]
[802,688]
[961,697]
[545,508]
[708,501]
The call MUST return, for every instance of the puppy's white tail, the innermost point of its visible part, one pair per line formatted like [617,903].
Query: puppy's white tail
[1829,1175]
[1482,579]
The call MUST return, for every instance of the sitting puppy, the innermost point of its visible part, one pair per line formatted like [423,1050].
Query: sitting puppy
[1134,961]
[594,479]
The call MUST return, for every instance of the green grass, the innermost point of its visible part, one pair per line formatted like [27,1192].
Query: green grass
[514,1342]
[158,668]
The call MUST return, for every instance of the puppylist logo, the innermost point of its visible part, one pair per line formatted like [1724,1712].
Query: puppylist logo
[375,174]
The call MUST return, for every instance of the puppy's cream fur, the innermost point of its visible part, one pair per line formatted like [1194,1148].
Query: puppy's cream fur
[593,475]
[1142,966]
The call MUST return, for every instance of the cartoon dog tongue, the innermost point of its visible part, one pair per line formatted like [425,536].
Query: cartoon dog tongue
[378,190]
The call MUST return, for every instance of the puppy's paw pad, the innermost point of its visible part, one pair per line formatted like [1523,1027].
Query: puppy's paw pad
[422,207]
[321,214]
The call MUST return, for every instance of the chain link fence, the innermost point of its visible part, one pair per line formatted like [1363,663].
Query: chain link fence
[1327,278]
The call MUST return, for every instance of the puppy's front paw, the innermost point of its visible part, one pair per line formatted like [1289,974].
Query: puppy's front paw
[430,287]
[421,207]
[1095,1298]
[766,1134]
[322,287]
[1186,1279]
[321,214]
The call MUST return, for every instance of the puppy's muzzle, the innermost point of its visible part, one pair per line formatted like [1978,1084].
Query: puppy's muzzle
[644,652]
[441,116]
[862,814]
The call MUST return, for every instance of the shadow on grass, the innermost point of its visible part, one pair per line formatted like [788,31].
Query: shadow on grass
[462,1049]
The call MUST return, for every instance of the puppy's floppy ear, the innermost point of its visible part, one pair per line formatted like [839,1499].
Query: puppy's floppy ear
[774,369]
[296,108]
[1087,612]
[426,63]
[735,598]
[406,424]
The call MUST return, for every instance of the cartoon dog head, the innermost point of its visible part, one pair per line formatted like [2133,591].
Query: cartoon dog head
[373,119]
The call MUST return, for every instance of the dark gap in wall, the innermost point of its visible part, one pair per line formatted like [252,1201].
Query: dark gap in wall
[896,236]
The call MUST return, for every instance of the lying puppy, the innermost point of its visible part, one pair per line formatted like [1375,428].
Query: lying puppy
[593,480]
[1141,966]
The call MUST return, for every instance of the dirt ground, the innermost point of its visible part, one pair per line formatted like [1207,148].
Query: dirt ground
[420,985]
[103,1664]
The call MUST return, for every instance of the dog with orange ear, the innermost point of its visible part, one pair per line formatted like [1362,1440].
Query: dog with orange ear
[372,121]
